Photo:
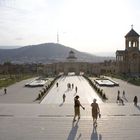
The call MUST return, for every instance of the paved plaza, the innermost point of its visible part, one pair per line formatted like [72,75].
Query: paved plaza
[22,118]
[18,93]
[85,91]
[130,91]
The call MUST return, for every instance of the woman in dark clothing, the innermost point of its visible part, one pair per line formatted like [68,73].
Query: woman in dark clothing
[135,100]
[95,112]
[77,105]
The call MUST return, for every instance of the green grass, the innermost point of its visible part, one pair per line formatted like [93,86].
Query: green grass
[6,80]
[134,81]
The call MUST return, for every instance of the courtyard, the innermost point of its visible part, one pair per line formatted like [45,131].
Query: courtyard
[23,118]
[18,93]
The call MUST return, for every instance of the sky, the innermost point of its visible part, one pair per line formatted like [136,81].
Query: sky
[86,25]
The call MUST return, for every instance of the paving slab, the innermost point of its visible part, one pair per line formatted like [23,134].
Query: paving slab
[85,91]
[51,122]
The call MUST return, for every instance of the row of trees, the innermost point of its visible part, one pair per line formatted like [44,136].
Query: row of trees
[46,89]
[99,91]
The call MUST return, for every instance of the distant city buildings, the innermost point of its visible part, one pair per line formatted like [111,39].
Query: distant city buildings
[127,62]
[72,64]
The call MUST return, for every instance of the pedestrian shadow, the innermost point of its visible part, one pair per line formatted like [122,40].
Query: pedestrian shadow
[138,107]
[61,104]
[73,132]
[125,99]
[95,135]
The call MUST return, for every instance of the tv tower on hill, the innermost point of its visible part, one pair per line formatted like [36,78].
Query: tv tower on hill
[57,37]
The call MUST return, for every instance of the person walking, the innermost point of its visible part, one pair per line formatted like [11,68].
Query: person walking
[123,94]
[5,91]
[135,100]
[95,112]
[57,84]
[72,85]
[68,86]
[77,105]
[76,89]
[118,97]
[64,97]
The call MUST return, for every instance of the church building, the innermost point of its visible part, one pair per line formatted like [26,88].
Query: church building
[128,60]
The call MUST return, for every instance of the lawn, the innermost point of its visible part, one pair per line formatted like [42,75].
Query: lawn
[6,80]
[132,80]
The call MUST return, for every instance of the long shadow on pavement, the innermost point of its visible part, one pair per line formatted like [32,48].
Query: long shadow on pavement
[125,99]
[138,107]
[73,132]
[61,104]
[95,135]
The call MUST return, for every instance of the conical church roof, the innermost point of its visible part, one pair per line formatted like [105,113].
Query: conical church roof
[132,33]
[71,55]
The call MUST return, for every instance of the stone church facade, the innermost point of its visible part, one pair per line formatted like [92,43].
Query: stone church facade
[128,60]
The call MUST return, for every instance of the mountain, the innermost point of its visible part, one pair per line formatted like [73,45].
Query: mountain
[45,53]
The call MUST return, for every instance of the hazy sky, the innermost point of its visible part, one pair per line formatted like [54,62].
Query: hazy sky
[86,25]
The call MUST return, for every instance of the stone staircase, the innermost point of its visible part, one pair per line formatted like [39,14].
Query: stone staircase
[54,122]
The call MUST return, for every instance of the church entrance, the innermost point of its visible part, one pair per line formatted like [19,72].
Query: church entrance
[72,71]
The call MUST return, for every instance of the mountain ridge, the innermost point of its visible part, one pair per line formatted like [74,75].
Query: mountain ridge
[45,53]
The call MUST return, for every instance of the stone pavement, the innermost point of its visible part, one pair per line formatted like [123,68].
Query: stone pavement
[130,91]
[54,122]
[18,93]
[85,91]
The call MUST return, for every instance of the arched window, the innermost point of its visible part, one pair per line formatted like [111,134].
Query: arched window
[129,44]
[134,44]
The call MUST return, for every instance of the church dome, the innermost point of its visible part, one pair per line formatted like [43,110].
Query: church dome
[71,55]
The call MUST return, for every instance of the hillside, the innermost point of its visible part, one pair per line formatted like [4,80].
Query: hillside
[45,53]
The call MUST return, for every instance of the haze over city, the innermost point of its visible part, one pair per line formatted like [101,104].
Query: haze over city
[86,25]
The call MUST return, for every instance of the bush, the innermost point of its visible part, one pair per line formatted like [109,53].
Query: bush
[97,89]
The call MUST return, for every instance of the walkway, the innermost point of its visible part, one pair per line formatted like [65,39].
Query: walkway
[85,91]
